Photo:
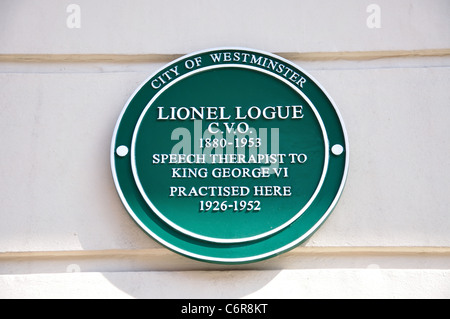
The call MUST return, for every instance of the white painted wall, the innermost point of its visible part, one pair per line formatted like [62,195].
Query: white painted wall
[62,89]
[175,26]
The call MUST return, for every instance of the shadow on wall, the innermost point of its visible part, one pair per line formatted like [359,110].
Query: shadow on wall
[191,284]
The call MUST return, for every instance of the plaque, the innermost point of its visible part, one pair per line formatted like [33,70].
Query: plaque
[230,155]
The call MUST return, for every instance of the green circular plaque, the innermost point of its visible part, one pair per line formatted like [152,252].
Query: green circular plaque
[230,155]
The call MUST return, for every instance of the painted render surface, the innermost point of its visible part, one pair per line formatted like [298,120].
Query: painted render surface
[65,78]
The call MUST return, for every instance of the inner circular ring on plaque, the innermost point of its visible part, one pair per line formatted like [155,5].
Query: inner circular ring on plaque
[226,185]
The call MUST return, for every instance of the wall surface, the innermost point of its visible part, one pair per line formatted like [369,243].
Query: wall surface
[65,76]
